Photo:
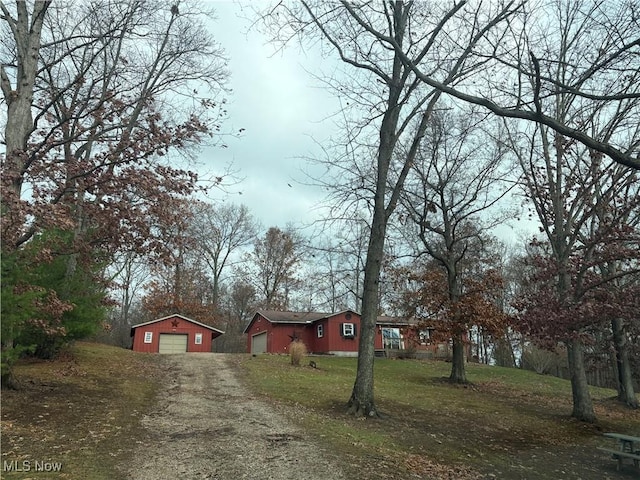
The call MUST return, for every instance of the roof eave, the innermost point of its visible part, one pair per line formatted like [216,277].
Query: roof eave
[133,327]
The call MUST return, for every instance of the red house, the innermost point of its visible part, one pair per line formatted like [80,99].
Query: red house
[173,334]
[272,331]
[335,334]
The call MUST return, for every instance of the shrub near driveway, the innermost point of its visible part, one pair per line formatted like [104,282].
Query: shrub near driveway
[508,423]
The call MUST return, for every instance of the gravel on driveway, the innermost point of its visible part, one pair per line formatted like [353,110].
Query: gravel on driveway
[207,425]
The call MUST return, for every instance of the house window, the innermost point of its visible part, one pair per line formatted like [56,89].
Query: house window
[198,339]
[348,330]
[148,337]
[320,330]
[391,338]
[425,337]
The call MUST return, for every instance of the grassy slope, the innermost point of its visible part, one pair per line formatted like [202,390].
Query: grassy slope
[85,410]
[82,410]
[499,425]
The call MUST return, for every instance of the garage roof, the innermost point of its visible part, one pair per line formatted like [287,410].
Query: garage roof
[180,316]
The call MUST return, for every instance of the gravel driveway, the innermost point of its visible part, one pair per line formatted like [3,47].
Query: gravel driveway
[208,426]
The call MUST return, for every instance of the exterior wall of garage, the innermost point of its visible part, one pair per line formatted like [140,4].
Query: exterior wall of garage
[279,335]
[260,325]
[171,325]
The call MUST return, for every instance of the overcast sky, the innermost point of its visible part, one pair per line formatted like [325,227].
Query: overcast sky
[284,113]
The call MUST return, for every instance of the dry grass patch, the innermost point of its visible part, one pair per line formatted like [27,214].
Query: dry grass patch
[81,410]
[297,352]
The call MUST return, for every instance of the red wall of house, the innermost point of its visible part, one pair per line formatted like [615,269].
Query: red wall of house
[333,332]
[319,345]
[165,326]
[279,334]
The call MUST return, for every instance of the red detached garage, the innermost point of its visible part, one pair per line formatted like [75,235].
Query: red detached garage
[173,334]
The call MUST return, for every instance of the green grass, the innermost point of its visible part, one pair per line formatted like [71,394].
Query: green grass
[488,426]
[84,410]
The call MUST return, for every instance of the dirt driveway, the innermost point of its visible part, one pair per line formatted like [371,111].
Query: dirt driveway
[208,426]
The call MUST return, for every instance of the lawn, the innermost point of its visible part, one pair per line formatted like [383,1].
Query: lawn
[81,411]
[508,423]
[84,410]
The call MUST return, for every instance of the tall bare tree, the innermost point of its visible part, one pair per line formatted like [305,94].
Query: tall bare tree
[338,258]
[452,199]
[569,181]
[221,230]
[238,302]
[391,102]
[598,64]
[272,266]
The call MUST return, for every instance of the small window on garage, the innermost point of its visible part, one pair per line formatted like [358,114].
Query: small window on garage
[320,331]
[148,337]
[198,339]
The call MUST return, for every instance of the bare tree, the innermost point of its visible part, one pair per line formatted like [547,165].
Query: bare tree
[567,178]
[598,65]
[127,274]
[337,261]
[323,285]
[391,102]
[451,197]
[238,302]
[220,230]
[272,266]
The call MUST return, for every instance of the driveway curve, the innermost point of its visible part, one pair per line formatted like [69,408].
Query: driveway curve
[207,425]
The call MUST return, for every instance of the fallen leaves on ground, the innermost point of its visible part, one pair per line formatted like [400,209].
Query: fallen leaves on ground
[420,465]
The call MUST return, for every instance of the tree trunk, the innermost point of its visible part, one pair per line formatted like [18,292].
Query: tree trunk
[582,405]
[8,381]
[504,354]
[19,124]
[458,374]
[626,393]
[361,402]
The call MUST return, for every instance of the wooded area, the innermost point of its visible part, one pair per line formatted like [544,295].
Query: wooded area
[457,119]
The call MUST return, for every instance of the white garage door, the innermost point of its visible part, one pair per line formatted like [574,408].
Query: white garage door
[173,343]
[259,343]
